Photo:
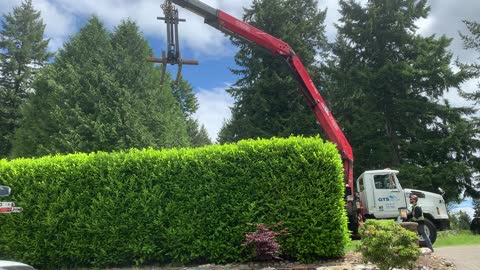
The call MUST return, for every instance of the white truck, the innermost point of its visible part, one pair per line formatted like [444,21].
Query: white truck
[382,197]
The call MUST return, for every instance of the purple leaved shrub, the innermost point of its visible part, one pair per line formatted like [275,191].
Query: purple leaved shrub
[264,242]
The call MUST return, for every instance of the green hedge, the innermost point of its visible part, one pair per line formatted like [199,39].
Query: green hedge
[180,205]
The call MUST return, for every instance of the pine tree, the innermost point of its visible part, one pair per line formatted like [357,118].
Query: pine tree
[476,207]
[267,101]
[74,86]
[187,100]
[464,220]
[198,134]
[387,84]
[161,122]
[472,41]
[100,95]
[23,51]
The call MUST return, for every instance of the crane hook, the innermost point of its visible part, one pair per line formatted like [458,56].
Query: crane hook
[172,56]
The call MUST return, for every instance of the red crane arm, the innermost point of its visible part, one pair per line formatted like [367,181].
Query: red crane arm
[233,26]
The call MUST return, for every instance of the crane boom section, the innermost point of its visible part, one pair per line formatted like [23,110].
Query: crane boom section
[233,26]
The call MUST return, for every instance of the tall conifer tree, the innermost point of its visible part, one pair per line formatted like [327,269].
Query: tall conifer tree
[161,122]
[267,101]
[23,51]
[101,95]
[476,207]
[387,90]
[471,41]
[187,100]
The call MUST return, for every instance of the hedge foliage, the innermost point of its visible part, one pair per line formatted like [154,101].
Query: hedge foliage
[178,205]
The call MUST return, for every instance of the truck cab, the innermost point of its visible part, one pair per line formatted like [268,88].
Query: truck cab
[382,195]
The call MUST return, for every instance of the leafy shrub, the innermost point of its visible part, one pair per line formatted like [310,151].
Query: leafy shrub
[265,243]
[388,245]
[178,205]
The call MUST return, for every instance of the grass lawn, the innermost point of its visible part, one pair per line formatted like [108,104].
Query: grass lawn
[352,247]
[456,238]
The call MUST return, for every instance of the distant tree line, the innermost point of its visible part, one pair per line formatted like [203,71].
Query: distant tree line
[460,220]
[382,80]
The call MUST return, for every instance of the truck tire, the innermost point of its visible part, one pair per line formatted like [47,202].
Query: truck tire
[431,233]
[475,226]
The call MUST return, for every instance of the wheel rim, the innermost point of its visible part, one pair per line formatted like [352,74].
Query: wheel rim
[427,232]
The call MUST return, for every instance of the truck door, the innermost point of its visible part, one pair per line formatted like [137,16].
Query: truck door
[364,194]
[388,195]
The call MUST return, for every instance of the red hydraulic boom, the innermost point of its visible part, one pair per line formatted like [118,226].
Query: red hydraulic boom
[233,26]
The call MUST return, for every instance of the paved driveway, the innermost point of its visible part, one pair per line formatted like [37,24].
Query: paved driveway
[464,257]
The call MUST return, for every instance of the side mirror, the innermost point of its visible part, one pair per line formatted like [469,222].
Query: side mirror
[4,191]
[442,192]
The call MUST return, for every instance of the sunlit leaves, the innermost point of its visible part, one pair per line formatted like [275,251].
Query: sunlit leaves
[179,205]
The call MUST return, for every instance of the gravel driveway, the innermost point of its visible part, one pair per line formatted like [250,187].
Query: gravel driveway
[464,257]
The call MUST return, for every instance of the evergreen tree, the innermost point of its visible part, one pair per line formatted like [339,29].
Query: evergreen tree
[187,100]
[76,87]
[453,221]
[100,94]
[161,122]
[463,220]
[23,51]
[387,84]
[267,101]
[476,207]
[472,41]
[198,133]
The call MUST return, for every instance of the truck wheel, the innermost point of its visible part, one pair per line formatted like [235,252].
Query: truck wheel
[353,224]
[475,226]
[431,232]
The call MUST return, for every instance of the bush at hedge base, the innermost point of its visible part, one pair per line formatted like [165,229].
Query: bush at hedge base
[388,245]
[174,206]
[264,241]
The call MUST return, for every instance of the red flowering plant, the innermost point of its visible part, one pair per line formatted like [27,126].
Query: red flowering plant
[264,241]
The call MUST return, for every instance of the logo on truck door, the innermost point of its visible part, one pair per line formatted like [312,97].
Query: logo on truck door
[388,199]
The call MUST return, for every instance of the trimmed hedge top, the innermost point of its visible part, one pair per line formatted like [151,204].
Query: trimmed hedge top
[178,205]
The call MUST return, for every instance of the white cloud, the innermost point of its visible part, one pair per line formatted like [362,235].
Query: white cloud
[457,101]
[446,18]
[194,33]
[7,6]
[63,18]
[234,8]
[58,24]
[333,15]
[424,25]
[214,109]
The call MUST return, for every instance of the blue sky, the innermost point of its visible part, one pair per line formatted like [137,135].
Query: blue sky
[63,18]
